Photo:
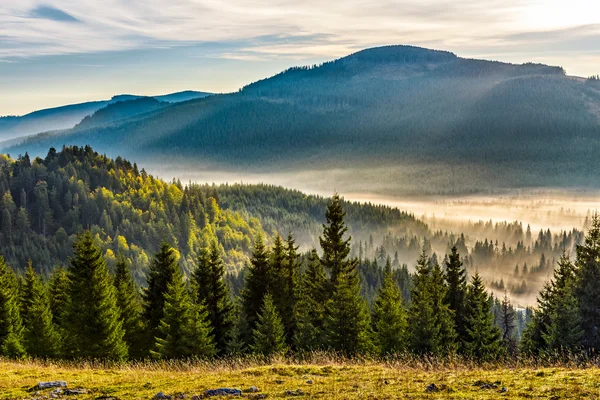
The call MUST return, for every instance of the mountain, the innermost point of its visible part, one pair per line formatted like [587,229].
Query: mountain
[120,110]
[395,119]
[68,116]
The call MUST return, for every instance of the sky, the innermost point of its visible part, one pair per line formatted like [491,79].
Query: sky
[59,52]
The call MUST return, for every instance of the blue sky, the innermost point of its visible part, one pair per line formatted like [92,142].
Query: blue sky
[65,51]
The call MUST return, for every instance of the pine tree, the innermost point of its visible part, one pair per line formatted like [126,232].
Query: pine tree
[336,249]
[184,330]
[423,332]
[456,294]
[259,282]
[389,316]
[269,335]
[41,338]
[311,305]
[586,288]
[347,324]
[444,316]
[484,339]
[564,332]
[290,277]
[11,327]
[130,308]
[92,321]
[59,295]
[507,324]
[162,270]
[212,292]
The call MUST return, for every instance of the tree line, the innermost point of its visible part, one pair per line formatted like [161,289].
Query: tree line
[289,303]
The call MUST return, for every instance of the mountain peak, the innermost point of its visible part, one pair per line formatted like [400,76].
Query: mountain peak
[400,54]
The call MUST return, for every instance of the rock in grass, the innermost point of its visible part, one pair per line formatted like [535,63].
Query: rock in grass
[161,396]
[432,388]
[297,392]
[52,384]
[253,389]
[70,392]
[222,392]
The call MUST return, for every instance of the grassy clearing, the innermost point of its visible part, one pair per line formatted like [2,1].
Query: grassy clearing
[330,380]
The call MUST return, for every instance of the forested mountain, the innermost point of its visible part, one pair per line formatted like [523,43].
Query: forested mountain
[120,110]
[394,118]
[46,202]
[68,116]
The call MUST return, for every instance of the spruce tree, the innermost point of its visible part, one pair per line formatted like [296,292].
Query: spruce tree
[484,339]
[586,288]
[269,334]
[162,270]
[347,324]
[290,277]
[259,281]
[336,248]
[184,330]
[11,327]
[311,305]
[444,316]
[423,331]
[41,338]
[213,294]
[59,295]
[456,294]
[507,325]
[130,308]
[564,332]
[389,316]
[92,322]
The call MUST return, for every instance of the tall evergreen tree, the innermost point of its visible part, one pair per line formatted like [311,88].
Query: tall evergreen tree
[269,335]
[59,295]
[259,282]
[389,316]
[184,330]
[586,288]
[564,332]
[41,337]
[336,248]
[423,334]
[290,277]
[457,293]
[508,324]
[130,308]
[311,305]
[11,327]
[162,270]
[213,293]
[93,324]
[444,316]
[484,339]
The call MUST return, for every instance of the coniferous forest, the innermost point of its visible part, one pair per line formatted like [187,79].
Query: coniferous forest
[103,261]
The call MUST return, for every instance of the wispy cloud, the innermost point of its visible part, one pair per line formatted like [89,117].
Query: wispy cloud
[51,13]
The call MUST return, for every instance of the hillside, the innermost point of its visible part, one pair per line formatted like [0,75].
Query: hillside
[394,119]
[120,110]
[66,117]
[46,202]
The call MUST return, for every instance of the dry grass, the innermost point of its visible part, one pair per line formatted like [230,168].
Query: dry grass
[331,379]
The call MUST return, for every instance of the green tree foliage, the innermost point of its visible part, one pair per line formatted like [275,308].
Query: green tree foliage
[92,322]
[163,269]
[59,295]
[184,330]
[130,307]
[269,334]
[289,281]
[311,305]
[457,293]
[484,339]
[389,316]
[11,327]
[41,336]
[213,294]
[259,282]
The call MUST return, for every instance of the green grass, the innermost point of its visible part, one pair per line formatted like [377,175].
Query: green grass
[331,379]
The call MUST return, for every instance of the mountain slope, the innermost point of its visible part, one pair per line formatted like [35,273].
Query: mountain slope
[391,119]
[68,116]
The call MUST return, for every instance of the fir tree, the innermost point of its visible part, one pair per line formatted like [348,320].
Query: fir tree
[259,282]
[11,327]
[290,281]
[162,270]
[184,330]
[456,294]
[130,308]
[41,337]
[336,248]
[586,288]
[93,324]
[507,324]
[347,324]
[212,292]
[311,305]
[269,335]
[484,339]
[389,316]
[444,316]
[424,333]
[564,332]
[59,295]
